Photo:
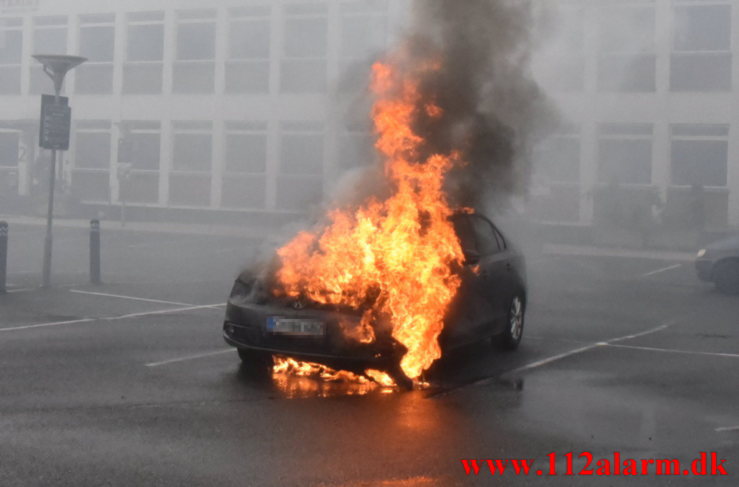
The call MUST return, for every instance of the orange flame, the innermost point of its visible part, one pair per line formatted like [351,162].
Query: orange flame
[393,259]
[289,366]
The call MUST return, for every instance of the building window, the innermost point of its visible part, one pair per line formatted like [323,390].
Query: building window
[192,152]
[142,71]
[305,45]
[627,61]
[244,179]
[92,153]
[556,189]
[300,181]
[97,44]
[247,67]
[49,37]
[701,58]
[11,46]
[700,155]
[196,46]
[558,159]
[356,146]
[625,153]
[9,141]
[568,47]
[92,149]
[363,29]
[143,142]
[363,34]
[139,145]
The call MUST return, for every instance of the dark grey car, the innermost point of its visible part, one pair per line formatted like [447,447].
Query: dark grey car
[490,304]
[719,263]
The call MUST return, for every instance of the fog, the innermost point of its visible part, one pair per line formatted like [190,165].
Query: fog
[598,136]
[568,114]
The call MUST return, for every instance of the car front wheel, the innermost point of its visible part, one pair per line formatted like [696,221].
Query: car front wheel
[726,276]
[514,324]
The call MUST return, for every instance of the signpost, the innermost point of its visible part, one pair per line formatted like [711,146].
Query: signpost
[54,134]
[55,123]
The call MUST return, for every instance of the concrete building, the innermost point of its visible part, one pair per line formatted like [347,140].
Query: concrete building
[246,106]
[648,91]
[218,105]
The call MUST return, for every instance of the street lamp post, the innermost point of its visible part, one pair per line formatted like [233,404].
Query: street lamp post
[56,67]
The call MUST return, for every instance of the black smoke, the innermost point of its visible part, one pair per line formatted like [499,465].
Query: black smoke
[493,110]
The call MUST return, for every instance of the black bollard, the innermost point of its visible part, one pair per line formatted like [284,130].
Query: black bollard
[3,257]
[95,251]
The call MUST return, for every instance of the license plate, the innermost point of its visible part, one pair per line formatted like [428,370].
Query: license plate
[295,326]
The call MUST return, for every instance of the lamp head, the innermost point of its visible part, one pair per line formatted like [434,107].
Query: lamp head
[57,66]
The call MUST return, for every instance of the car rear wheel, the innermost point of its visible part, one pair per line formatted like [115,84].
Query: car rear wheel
[254,359]
[726,276]
[513,333]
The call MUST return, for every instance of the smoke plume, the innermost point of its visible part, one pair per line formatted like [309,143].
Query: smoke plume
[492,108]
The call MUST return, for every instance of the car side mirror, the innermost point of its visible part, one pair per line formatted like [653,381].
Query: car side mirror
[471,257]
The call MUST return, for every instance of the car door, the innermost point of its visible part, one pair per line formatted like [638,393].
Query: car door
[468,313]
[495,271]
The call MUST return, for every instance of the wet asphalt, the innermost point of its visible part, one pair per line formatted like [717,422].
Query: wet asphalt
[129,382]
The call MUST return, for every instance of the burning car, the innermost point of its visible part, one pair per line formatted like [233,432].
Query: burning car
[395,277]
[489,304]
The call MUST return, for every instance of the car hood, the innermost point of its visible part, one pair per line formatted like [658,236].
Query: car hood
[726,244]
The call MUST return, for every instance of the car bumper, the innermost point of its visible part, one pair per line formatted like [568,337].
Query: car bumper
[245,326]
[704,269]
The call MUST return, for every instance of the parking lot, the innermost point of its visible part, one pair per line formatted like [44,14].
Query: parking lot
[130,383]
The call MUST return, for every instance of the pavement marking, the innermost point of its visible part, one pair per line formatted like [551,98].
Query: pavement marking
[132,298]
[44,325]
[540,363]
[727,428]
[661,327]
[670,350]
[661,270]
[555,358]
[216,306]
[21,290]
[114,318]
[190,357]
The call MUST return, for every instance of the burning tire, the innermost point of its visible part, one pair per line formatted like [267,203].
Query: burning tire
[513,333]
[726,276]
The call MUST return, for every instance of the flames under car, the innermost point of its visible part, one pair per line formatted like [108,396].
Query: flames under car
[490,304]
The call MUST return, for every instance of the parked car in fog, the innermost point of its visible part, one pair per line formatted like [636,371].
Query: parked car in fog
[719,263]
[490,304]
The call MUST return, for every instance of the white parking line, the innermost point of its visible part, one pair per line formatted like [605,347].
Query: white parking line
[660,271]
[661,327]
[44,325]
[132,298]
[115,318]
[190,357]
[670,350]
[21,290]
[727,428]
[168,311]
[555,358]
[539,363]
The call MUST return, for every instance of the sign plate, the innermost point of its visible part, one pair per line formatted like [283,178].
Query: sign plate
[55,123]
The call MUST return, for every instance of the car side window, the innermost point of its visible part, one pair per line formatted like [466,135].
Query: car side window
[464,231]
[501,241]
[487,240]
